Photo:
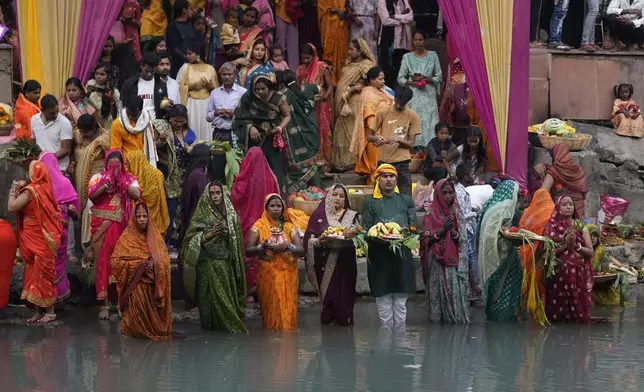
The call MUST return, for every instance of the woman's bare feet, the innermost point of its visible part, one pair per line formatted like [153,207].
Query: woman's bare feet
[35,318]
[47,318]
[104,314]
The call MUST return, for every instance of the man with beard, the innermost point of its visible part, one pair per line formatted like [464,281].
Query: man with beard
[163,70]
[392,275]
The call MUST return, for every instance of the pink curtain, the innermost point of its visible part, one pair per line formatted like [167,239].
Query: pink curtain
[96,20]
[463,25]
[516,161]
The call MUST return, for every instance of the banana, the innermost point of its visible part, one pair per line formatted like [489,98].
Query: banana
[373,232]
[395,231]
[383,228]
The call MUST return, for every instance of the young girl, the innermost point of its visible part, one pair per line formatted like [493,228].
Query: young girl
[627,118]
[277,58]
[103,96]
[472,153]
[436,153]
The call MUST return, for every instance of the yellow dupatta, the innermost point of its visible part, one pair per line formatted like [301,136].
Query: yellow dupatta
[152,188]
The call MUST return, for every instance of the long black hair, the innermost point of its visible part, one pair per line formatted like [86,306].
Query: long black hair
[106,104]
[480,152]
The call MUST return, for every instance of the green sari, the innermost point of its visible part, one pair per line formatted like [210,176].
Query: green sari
[301,139]
[213,271]
[253,111]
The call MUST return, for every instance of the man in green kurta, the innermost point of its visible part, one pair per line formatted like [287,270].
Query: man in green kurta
[392,276]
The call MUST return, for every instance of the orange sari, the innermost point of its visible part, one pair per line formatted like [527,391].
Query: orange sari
[39,231]
[144,296]
[277,279]
[23,113]
[535,218]
[334,32]
[371,100]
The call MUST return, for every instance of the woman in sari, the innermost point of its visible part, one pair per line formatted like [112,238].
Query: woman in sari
[301,136]
[255,63]
[199,173]
[277,279]
[444,251]
[27,105]
[75,102]
[213,260]
[605,295]
[141,267]
[261,117]
[103,96]
[69,207]
[334,31]
[153,188]
[196,80]
[249,31]
[421,71]
[571,176]
[316,72]
[372,98]
[333,272]
[568,290]
[111,192]
[347,94]
[39,230]
[91,142]
[253,183]
[154,18]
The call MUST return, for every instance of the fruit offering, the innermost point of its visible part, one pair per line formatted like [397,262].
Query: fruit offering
[333,232]
[388,230]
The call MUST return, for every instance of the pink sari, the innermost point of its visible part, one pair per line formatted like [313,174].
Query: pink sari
[66,197]
[110,216]
[314,74]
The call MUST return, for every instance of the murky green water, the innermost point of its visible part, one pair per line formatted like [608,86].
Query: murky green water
[85,355]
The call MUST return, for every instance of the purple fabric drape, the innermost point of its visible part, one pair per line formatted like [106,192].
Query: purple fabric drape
[462,21]
[96,20]
[516,157]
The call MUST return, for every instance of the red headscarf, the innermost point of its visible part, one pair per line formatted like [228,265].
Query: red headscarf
[557,228]
[48,212]
[569,174]
[444,250]
[309,73]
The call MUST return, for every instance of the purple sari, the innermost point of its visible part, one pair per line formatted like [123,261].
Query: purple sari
[333,272]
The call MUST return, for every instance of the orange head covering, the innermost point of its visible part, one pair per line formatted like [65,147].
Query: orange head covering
[385,168]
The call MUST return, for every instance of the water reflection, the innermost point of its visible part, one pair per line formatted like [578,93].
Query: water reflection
[85,355]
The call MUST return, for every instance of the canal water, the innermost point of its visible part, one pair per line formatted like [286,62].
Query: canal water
[84,354]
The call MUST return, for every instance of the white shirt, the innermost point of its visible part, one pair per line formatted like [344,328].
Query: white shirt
[173,90]
[146,92]
[220,98]
[48,137]
[616,7]
[479,194]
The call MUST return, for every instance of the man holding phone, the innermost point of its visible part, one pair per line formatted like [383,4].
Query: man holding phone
[394,133]
[624,21]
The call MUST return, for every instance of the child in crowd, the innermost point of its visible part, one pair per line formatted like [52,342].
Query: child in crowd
[230,34]
[277,58]
[626,118]
[436,153]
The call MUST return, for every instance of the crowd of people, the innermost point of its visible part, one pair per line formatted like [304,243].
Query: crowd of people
[126,160]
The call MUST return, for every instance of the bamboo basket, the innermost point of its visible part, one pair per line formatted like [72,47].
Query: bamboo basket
[416,165]
[357,200]
[308,206]
[573,143]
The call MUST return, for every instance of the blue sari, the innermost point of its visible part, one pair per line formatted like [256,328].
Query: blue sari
[246,74]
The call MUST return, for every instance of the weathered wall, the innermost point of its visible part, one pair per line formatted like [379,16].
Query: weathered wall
[6,72]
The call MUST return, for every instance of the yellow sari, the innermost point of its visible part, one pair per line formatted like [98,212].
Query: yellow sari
[154,20]
[334,32]
[277,279]
[152,187]
[371,100]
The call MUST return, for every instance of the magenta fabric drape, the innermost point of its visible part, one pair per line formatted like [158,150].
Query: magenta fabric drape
[516,158]
[96,20]
[463,25]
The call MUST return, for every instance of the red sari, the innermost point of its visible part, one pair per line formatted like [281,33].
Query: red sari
[568,290]
[110,215]
[8,244]
[314,74]
[571,176]
[39,231]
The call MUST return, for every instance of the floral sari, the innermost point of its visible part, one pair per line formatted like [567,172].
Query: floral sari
[345,108]
[277,279]
[110,215]
[153,188]
[214,271]
[67,198]
[568,290]
[39,232]
[371,100]
[246,75]
[314,74]
[144,295]
[73,111]
[333,272]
